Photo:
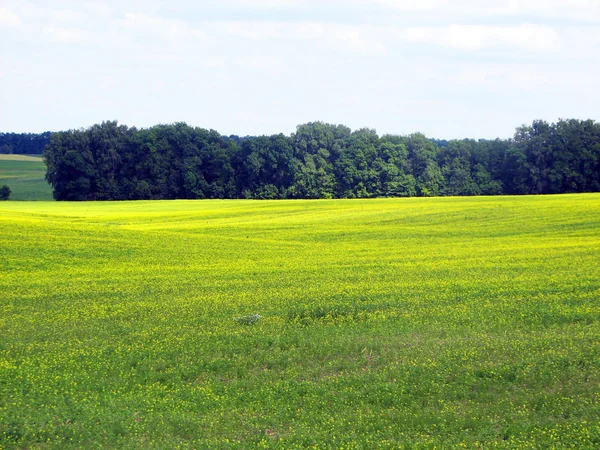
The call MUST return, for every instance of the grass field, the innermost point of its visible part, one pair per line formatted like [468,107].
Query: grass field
[24,174]
[393,323]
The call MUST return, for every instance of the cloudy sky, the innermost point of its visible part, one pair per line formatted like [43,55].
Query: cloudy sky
[448,68]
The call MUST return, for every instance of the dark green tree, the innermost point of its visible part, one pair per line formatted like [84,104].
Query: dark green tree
[112,161]
[4,192]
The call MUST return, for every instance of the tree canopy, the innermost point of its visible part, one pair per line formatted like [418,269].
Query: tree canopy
[24,143]
[109,161]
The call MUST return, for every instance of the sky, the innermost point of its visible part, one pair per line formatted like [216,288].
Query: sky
[447,68]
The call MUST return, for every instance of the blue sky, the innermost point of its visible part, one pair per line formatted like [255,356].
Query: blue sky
[450,69]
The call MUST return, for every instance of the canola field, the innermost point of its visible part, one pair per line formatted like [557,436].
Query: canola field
[383,323]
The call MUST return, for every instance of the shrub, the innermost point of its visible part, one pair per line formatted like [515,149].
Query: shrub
[4,192]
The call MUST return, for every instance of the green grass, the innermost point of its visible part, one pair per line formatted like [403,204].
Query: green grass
[393,323]
[24,175]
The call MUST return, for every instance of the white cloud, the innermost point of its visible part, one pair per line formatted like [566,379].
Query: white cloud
[477,37]
[587,10]
[143,22]
[65,35]
[68,16]
[502,77]
[258,4]
[355,38]
[172,30]
[8,18]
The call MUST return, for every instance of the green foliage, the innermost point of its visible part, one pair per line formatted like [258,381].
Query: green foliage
[23,143]
[4,192]
[561,157]
[267,192]
[468,322]
[111,161]
[6,149]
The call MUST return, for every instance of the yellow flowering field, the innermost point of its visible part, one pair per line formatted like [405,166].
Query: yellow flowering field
[380,323]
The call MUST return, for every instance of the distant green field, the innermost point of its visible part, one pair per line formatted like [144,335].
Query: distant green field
[24,174]
[391,323]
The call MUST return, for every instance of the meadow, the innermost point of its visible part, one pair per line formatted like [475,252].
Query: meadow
[384,323]
[24,175]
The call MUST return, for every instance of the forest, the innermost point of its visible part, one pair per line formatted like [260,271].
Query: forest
[24,143]
[110,161]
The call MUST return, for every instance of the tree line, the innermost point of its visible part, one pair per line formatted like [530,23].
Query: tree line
[24,143]
[109,161]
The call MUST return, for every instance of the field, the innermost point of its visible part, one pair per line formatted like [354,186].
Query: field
[24,174]
[392,323]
